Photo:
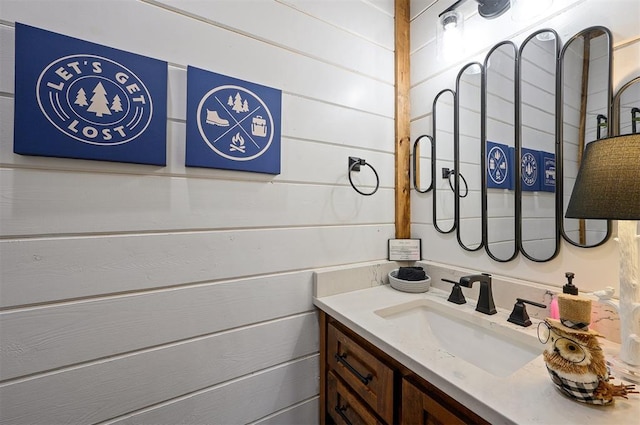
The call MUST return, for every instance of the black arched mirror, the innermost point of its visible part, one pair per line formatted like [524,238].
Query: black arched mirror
[422,180]
[536,146]
[499,135]
[468,158]
[626,108]
[585,68]
[442,161]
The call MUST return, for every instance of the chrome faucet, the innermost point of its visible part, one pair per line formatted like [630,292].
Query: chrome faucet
[485,299]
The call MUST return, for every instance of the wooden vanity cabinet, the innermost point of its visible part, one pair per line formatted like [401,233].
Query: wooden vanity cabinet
[424,404]
[360,384]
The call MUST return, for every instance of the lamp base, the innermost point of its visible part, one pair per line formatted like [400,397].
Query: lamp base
[622,370]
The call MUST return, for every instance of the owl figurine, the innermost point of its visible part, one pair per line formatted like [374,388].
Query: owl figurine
[573,356]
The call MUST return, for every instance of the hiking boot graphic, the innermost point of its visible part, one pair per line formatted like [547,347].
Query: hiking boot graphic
[214,119]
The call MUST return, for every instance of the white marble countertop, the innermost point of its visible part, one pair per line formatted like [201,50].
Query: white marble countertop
[526,396]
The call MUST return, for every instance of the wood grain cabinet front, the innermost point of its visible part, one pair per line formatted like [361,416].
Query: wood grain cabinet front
[425,405]
[364,373]
[345,407]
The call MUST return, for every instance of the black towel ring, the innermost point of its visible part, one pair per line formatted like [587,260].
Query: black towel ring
[354,165]
[466,186]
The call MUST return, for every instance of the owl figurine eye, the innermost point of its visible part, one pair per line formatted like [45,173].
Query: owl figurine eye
[571,350]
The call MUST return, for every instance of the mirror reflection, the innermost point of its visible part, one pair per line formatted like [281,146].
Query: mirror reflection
[467,157]
[499,118]
[537,72]
[442,160]
[626,106]
[508,142]
[586,98]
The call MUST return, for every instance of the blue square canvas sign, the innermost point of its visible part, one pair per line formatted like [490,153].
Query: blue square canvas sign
[530,170]
[499,166]
[232,124]
[548,161]
[77,99]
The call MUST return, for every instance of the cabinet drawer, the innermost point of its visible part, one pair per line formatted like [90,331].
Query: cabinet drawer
[429,406]
[368,377]
[344,407]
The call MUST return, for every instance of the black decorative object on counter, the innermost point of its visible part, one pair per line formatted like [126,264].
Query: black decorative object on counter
[411,273]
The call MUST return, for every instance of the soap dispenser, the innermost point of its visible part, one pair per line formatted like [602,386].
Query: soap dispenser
[568,288]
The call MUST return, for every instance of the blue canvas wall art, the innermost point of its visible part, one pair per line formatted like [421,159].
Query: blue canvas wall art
[548,162]
[77,99]
[232,124]
[499,166]
[530,170]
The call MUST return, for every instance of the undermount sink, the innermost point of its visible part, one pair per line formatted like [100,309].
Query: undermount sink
[485,344]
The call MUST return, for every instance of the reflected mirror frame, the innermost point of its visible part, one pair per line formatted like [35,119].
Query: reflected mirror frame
[416,144]
[560,149]
[518,153]
[616,103]
[433,160]
[456,155]
[483,150]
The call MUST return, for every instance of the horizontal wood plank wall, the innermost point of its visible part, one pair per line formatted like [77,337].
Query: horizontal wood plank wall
[134,294]
[431,73]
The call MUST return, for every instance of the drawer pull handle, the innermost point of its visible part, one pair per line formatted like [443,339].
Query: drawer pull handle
[340,411]
[342,359]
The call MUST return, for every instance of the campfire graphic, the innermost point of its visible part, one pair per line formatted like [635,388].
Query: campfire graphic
[237,143]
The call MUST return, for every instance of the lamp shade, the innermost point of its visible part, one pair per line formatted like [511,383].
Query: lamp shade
[608,182]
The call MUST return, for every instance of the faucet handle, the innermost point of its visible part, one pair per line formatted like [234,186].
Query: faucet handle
[456,296]
[519,314]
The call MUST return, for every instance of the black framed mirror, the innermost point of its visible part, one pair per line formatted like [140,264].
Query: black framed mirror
[536,141]
[442,150]
[468,157]
[626,108]
[585,69]
[499,120]
[418,164]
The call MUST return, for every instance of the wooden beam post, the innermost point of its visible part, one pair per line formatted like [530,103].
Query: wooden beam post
[582,128]
[402,130]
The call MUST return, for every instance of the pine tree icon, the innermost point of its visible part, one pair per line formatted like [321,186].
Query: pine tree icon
[237,104]
[81,98]
[116,105]
[99,103]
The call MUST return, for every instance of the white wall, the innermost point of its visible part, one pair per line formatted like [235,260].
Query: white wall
[140,294]
[594,268]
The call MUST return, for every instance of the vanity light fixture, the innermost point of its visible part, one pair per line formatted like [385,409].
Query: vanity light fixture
[449,35]
[488,9]
[450,26]
[608,187]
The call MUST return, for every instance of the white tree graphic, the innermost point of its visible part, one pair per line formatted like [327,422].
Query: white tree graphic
[116,105]
[99,103]
[237,104]
[81,98]
[245,106]
[230,101]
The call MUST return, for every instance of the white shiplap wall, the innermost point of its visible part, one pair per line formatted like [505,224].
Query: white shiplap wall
[595,268]
[136,294]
